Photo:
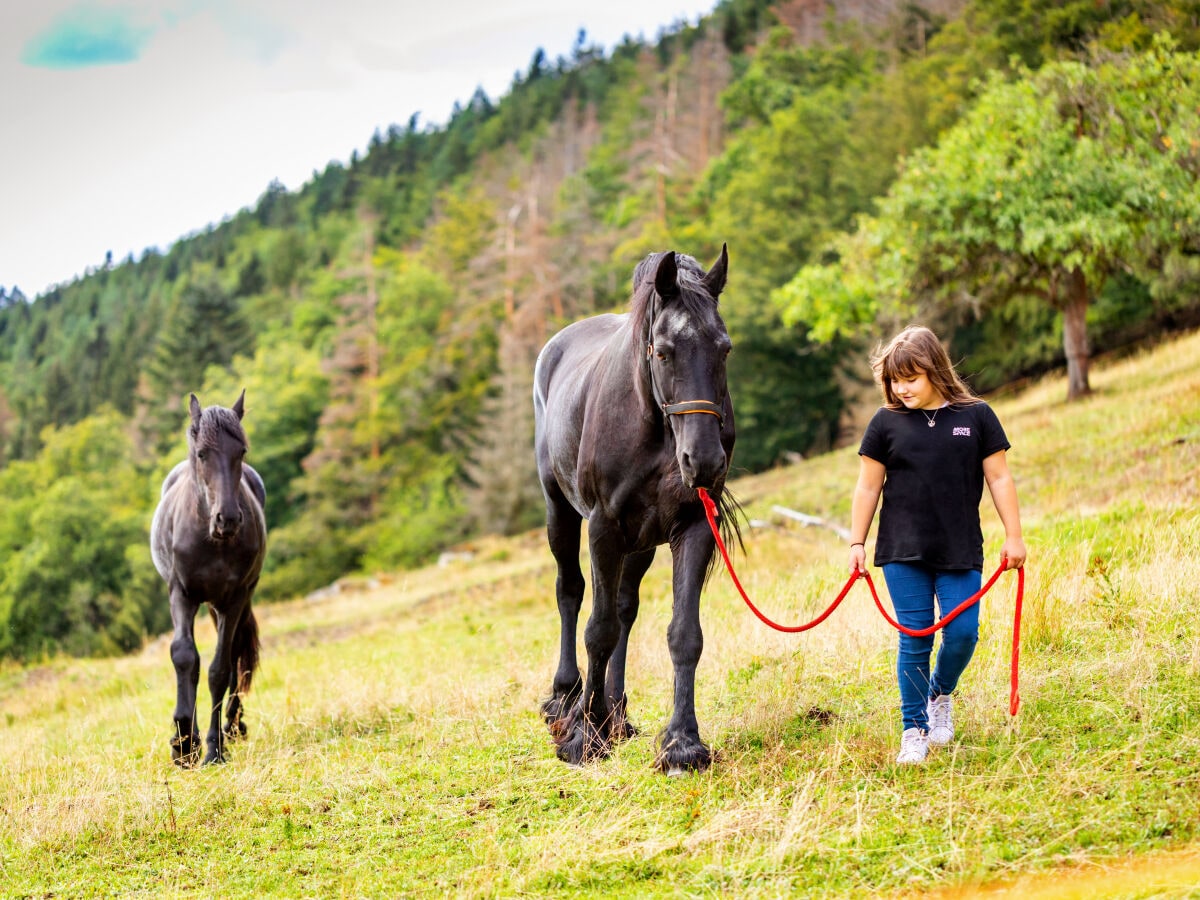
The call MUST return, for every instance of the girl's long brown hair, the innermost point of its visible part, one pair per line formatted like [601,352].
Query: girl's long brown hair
[917,349]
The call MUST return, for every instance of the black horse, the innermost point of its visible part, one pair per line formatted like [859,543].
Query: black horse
[632,416]
[208,540]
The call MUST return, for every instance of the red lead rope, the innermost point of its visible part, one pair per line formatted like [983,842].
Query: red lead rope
[1014,699]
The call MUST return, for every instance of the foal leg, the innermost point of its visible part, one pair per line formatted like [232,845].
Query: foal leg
[588,735]
[234,726]
[218,683]
[632,571]
[563,526]
[681,749]
[185,742]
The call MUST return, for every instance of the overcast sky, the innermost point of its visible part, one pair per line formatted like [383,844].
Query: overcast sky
[127,125]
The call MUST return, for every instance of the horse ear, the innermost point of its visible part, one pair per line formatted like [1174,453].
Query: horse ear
[194,408]
[715,279]
[665,278]
[239,405]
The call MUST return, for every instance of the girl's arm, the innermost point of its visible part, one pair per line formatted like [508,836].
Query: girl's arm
[862,509]
[1004,496]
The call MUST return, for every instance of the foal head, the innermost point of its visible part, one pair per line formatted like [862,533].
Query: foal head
[216,447]
[684,344]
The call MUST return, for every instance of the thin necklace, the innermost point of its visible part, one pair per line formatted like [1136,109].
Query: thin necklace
[931,419]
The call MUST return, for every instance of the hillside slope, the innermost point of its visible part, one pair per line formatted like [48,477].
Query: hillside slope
[395,745]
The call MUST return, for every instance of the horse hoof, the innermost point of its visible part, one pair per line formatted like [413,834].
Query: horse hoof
[235,730]
[680,756]
[583,744]
[559,708]
[185,751]
[622,730]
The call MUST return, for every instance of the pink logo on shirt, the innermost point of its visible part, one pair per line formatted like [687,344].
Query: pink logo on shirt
[962,431]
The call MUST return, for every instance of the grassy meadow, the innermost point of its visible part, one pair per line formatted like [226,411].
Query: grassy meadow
[395,746]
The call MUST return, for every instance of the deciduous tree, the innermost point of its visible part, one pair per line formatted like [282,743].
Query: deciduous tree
[1050,185]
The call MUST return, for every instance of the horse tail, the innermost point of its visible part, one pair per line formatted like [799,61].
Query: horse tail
[245,651]
[729,521]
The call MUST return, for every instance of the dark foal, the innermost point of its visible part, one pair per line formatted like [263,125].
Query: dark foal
[632,415]
[208,540]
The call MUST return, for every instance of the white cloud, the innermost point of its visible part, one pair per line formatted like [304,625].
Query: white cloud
[228,95]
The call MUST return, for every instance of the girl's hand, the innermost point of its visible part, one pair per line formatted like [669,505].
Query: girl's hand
[1013,554]
[858,559]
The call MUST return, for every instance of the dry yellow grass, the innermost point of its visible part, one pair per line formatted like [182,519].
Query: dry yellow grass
[395,745]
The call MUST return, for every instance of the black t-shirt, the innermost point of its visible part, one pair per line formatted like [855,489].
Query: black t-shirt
[933,483]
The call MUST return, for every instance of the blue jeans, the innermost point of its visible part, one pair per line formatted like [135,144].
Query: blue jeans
[913,587]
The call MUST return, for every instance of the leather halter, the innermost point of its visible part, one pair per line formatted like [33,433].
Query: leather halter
[683,407]
[686,407]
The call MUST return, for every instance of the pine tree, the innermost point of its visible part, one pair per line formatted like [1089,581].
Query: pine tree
[205,328]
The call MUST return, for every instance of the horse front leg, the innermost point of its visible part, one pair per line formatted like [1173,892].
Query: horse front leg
[235,726]
[628,601]
[218,682]
[563,526]
[680,747]
[586,735]
[185,741]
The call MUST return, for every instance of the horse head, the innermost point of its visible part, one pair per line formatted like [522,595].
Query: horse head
[686,348]
[216,447]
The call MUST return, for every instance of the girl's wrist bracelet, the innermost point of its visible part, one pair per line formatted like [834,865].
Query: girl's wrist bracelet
[859,544]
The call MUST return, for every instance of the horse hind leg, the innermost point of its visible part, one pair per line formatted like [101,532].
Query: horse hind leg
[235,726]
[563,525]
[628,601]
[589,737]
[245,661]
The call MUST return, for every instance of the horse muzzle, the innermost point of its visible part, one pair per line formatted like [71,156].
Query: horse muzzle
[703,469]
[224,528]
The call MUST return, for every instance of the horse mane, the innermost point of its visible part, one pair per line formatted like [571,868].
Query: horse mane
[692,293]
[213,421]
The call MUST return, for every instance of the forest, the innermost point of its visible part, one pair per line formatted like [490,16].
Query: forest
[1021,175]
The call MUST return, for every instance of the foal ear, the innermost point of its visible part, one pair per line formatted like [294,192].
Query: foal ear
[665,278]
[239,405]
[715,279]
[194,407]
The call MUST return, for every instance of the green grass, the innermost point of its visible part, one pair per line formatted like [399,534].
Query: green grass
[395,746]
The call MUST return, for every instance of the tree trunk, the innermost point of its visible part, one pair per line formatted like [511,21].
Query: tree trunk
[1075,339]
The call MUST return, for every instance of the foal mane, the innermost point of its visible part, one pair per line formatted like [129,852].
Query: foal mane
[692,293]
[213,421]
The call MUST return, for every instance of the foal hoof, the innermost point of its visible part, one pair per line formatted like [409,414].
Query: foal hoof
[185,750]
[583,744]
[235,730]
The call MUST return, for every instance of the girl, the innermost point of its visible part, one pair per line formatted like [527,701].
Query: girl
[928,450]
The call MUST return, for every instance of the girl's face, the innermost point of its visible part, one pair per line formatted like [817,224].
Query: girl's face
[916,392]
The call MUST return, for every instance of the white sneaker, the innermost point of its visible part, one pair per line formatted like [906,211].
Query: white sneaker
[914,746]
[941,722]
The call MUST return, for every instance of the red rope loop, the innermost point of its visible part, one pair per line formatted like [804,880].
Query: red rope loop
[1014,700]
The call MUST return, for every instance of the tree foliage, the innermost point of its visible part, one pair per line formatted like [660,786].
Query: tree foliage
[384,318]
[1051,185]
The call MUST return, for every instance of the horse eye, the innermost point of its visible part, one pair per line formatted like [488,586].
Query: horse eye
[202,455]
